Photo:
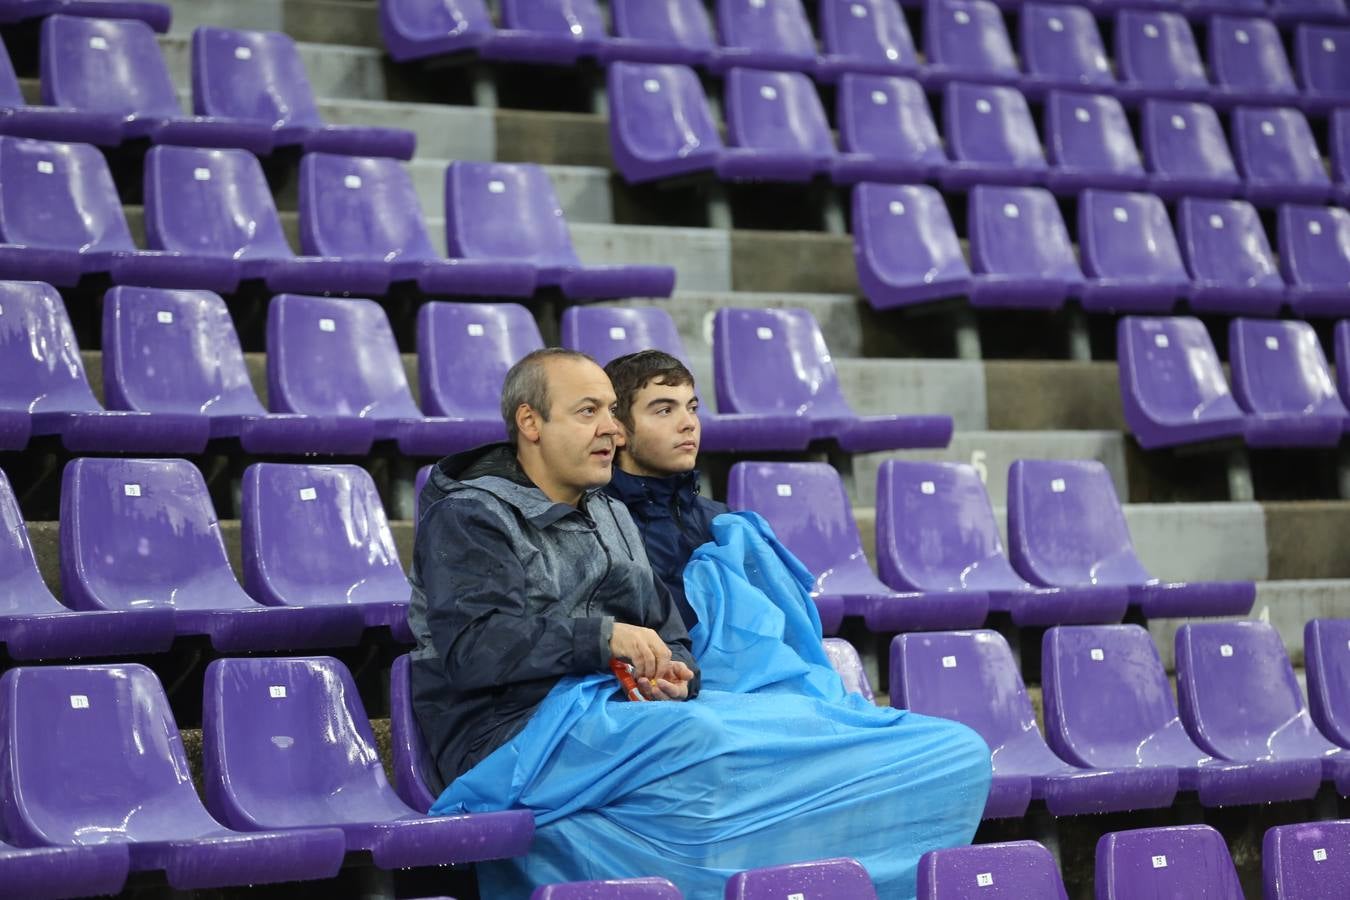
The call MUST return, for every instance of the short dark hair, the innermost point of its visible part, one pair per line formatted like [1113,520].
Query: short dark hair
[630,374]
[527,383]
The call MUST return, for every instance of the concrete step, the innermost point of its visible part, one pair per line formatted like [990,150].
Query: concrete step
[319,21]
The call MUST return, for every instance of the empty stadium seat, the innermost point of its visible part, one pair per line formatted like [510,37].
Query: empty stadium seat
[1326,658]
[905,246]
[660,124]
[176,352]
[142,534]
[1306,862]
[365,211]
[1322,54]
[327,772]
[886,131]
[1240,700]
[1062,48]
[990,137]
[764,34]
[156,15]
[1339,138]
[317,536]
[971,677]
[1019,249]
[1314,244]
[667,31]
[864,36]
[1181,861]
[258,77]
[1156,56]
[63,723]
[622,889]
[553,32]
[1278,157]
[967,39]
[1108,704]
[809,511]
[413,764]
[1089,144]
[1247,61]
[936,534]
[844,659]
[114,66]
[1229,258]
[1129,253]
[842,879]
[1186,151]
[44,391]
[1281,379]
[1066,527]
[609,332]
[990,872]
[50,123]
[776,361]
[505,211]
[419,29]
[776,128]
[50,872]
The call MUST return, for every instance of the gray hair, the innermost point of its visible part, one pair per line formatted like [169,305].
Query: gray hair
[527,383]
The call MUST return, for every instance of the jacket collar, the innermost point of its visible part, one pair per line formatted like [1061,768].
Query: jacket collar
[661,490]
[494,468]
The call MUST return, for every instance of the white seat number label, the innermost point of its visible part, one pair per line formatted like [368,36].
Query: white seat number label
[98,43]
[164,317]
[618,333]
[768,92]
[1320,855]
[243,53]
[1272,343]
[351,181]
[475,329]
[763,333]
[79,701]
[984,106]
[277,691]
[1161,342]
[496,187]
[201,174]
[1011,211]
[45,167]
[785,490]
[1058,486]
[651,86]
[131,490]
[1242,37]
[1268,129]
[1314,227]
[949,662]
[897,208]
[1082,115]
[308,493]
[1160,862]
[859,11]
[1120,214]
[327,325]
[1216,222]
[1056,25]
[962,17]
[1225,650]
[985,879]
[928,487]
[1097,654]
[879,98]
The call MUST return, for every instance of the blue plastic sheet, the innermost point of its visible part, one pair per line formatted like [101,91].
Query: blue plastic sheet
[773,763]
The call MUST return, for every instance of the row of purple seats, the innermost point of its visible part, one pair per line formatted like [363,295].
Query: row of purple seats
[156,15]
[838,879]
[1174,392]
[293,777]
[941,562]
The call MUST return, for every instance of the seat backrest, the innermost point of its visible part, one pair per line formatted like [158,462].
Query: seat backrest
[660,111]
[1326,658]
[1224,242]
[1339,139]
[841,878]
[888,117]
[1279,367]
[505,211]
[608,332]
[329,356]
[682,23]
[1304,860]
[1062,43]
[1066,527]
[989,123]
[59,196]
[1157,49]
[412,760]
[1127,235]
[846,662]
[1185,139]
[1276,145]
[40,365]
[871,32]
[1248,54]
[1169,367]
[968,36]
[317,535]
[173,351]
[1178,861]
[106,66]
[21,587]
[1314,245]
[464,351]
[907,233]
[573,19]
[257,76]
[774,360]
[990,872]
[1019,231]
[776,111]
[361,208]
[423,19]
[624,889]
[1322,54]
[774,26]
[211,203]
[1089,132]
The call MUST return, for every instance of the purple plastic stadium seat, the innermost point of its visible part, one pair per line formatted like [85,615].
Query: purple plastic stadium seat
[1129,253]
[971,677]
[665,31]
[886,131]
[143,534]
[1007,871]
[1326,655]
[114,66]
[49,123]
[1248,63]
[1339,128]
[1309,10]
[1156,56]
[1322,53]
[1186,151]
[1108,704]
[609,332]
[156,15]
[365,210]
[1066,527]
[549,32]
[1341,338]
[412,761]
[1280,378]
[624,889]
[1240,700]
[1181,861]
[936,534]
[1306,862]
[419,29]
[63,723]
[1061,48]
[53,872]
[43,389]
[864,36]
[1172,385]
[1089,144]
[1019,249]
[509,211]
[776,128]
[845,661]
[213,207]
[1278,156]
[967,39]
[811,514]
[764,34]
[990,137]
[258,77]
[316,536]
[776,361]
[33,625]
[177,352]
[660,124]
[905,246]
[841,879]
[1232,268]
[327,772]
[1314,246]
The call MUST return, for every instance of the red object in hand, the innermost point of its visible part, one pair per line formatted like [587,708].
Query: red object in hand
[624,673]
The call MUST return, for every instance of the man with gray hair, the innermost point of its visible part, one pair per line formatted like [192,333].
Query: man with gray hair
[524,572]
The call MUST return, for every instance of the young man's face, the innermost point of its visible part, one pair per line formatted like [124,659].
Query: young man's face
[576,444]
[665,433]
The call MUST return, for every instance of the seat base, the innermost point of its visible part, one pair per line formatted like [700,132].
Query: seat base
[63,634]
[230,859]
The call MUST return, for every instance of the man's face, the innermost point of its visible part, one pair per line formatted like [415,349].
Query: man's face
[576,444]
[665,434]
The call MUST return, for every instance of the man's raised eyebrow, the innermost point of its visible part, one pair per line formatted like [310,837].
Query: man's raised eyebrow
[593,401]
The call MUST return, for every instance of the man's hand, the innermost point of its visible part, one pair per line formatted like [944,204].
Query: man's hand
[643,648]
[670,683]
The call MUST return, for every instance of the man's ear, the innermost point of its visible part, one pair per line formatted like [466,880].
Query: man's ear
[527,423]
[621,439]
